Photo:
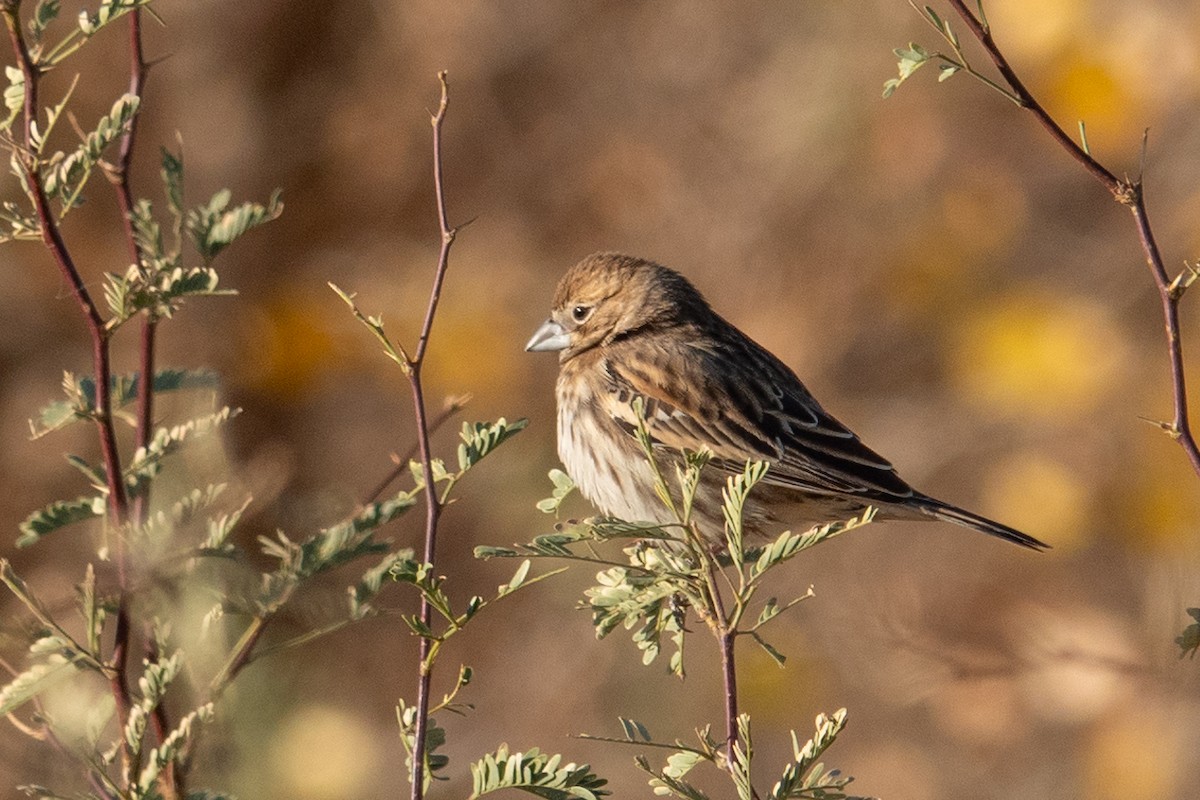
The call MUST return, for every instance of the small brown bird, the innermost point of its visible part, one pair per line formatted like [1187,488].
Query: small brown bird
[627,328]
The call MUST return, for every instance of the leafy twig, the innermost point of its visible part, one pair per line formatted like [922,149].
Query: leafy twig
[433,506]
[28,158]
[1126,191]
[453,406]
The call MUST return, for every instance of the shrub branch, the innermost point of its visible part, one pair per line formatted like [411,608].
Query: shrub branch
[433,506]
[1128,193]
[51,236]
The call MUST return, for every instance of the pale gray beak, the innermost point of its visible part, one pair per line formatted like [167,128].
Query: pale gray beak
[549,337]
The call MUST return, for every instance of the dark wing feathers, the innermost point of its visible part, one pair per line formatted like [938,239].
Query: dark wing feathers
[735,398]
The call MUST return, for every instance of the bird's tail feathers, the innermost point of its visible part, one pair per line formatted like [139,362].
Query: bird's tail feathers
[960,516]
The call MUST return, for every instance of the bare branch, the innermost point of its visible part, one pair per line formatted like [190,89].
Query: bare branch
[1129,194]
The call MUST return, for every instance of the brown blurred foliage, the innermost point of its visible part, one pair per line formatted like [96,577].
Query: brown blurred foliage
[944,279]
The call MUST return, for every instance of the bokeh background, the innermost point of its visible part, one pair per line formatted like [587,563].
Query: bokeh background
[948,282]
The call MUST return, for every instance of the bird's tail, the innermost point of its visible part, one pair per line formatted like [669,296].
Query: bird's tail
[959,516]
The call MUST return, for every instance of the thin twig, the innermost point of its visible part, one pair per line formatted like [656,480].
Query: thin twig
[171,779]
[453,406]
[433,507]
[51,236]
[1128,193]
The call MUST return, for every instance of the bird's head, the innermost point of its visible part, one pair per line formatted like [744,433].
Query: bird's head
[609,296]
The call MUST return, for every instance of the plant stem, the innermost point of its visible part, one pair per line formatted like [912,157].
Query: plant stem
[171,781]
[729,671]
[452,407]
[1129,194]
[433,507]
[118,502]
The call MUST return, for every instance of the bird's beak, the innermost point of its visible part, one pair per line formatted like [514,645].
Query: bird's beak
[548,338]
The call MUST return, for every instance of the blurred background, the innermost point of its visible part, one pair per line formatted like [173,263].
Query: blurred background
[947,281]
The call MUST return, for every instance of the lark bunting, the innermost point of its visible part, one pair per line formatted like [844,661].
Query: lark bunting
[627,328]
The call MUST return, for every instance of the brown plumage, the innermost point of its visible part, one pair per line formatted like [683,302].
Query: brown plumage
[626,328]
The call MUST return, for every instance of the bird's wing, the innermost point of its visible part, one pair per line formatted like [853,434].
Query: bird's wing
[730,395]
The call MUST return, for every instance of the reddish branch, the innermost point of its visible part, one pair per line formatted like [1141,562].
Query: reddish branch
[171,780]
[433,506]
[452,407]
[118,501]
[1129,194]
[138,70]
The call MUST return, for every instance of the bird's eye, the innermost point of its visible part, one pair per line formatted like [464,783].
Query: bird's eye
[580,313]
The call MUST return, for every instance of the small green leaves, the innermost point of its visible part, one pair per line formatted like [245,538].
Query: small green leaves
[742,753]
[45,13]
[688,475]
[215,226]
[34,681]
[914,56]
[805,778]
[160,292]
[644,602]
[1189,640]
[563,486]
[733,496]
[372,581]
[14,96]
[147,461]
[788,544]
[57,515]
[911,59]
[108,12]
[64,175]
[535,773]
[481,438]
[435,737]
[80,391]
[374,324]
[170,748]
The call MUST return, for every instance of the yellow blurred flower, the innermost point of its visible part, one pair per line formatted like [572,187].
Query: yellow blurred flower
[1040,495]
[322,753]
[289,345]
[1136,755]
[1035,29]
[1036,355]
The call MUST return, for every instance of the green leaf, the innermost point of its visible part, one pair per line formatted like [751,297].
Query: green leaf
[733,501]
[147,461]
[217,531]
[65,175]
[689,479]
[946,71]
[14,96]
[214,227]
[174,743]
[805,778]
[664,782]
[93,613]
[563,486]
[34,681]
[535,773]
[778,657]
[108,12]
[45,13]
[789,544]
[910,59]
[372,582]
[743,753]
[481,438]
[80,402]
[57,515]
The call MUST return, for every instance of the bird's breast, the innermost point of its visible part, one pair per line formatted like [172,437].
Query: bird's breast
[603,460]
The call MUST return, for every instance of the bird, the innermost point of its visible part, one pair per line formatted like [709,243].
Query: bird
[635,337]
